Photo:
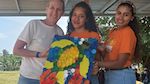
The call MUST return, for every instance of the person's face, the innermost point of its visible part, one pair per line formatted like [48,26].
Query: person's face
[123,16]
[78,18]
[54,11]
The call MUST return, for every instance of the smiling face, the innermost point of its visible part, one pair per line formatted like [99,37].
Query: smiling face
[78,18]
[54,11]
[123,16]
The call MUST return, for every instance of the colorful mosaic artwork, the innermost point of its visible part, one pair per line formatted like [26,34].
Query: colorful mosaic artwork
[69,61]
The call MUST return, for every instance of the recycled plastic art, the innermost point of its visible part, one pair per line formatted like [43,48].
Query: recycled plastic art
[69,61]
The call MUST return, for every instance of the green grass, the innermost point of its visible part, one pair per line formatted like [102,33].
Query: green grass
[9,77]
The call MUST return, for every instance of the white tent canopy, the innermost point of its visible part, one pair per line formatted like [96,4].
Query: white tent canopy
[37,7]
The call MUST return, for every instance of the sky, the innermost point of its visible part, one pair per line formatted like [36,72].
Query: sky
[11,27]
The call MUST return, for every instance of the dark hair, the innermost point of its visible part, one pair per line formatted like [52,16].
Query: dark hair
[134,26]
[90,23]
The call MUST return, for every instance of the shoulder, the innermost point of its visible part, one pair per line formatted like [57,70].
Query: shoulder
[127,33]
[58,27]
[127,30]
[95,35]
[92,32]
[59,30]
[35,21]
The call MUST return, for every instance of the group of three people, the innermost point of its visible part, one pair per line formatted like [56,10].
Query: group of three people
[119,49]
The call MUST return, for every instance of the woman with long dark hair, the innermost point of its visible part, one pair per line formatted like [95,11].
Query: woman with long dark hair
[82,25]
[122,46]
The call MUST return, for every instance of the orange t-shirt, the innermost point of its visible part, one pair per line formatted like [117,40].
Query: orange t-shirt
[121,40]
[87,34]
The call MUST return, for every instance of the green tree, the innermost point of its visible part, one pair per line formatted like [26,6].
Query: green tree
[145,34]
[10,63]
[104,24]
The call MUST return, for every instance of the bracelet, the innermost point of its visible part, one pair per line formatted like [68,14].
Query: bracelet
[37,54]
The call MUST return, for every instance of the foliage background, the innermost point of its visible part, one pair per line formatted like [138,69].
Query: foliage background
[10,62]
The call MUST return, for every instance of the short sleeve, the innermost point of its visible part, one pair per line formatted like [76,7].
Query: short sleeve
[127,42]
[28,32]
[98,37]
[59,31]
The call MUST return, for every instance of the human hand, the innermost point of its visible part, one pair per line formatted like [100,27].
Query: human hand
[108,48]
[101,46]
[95,68]
[44,53]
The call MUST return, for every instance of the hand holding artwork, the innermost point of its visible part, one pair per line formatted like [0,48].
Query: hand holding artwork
[101,46]
[108,48]
[98,66]
[95,68]
[44,53]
